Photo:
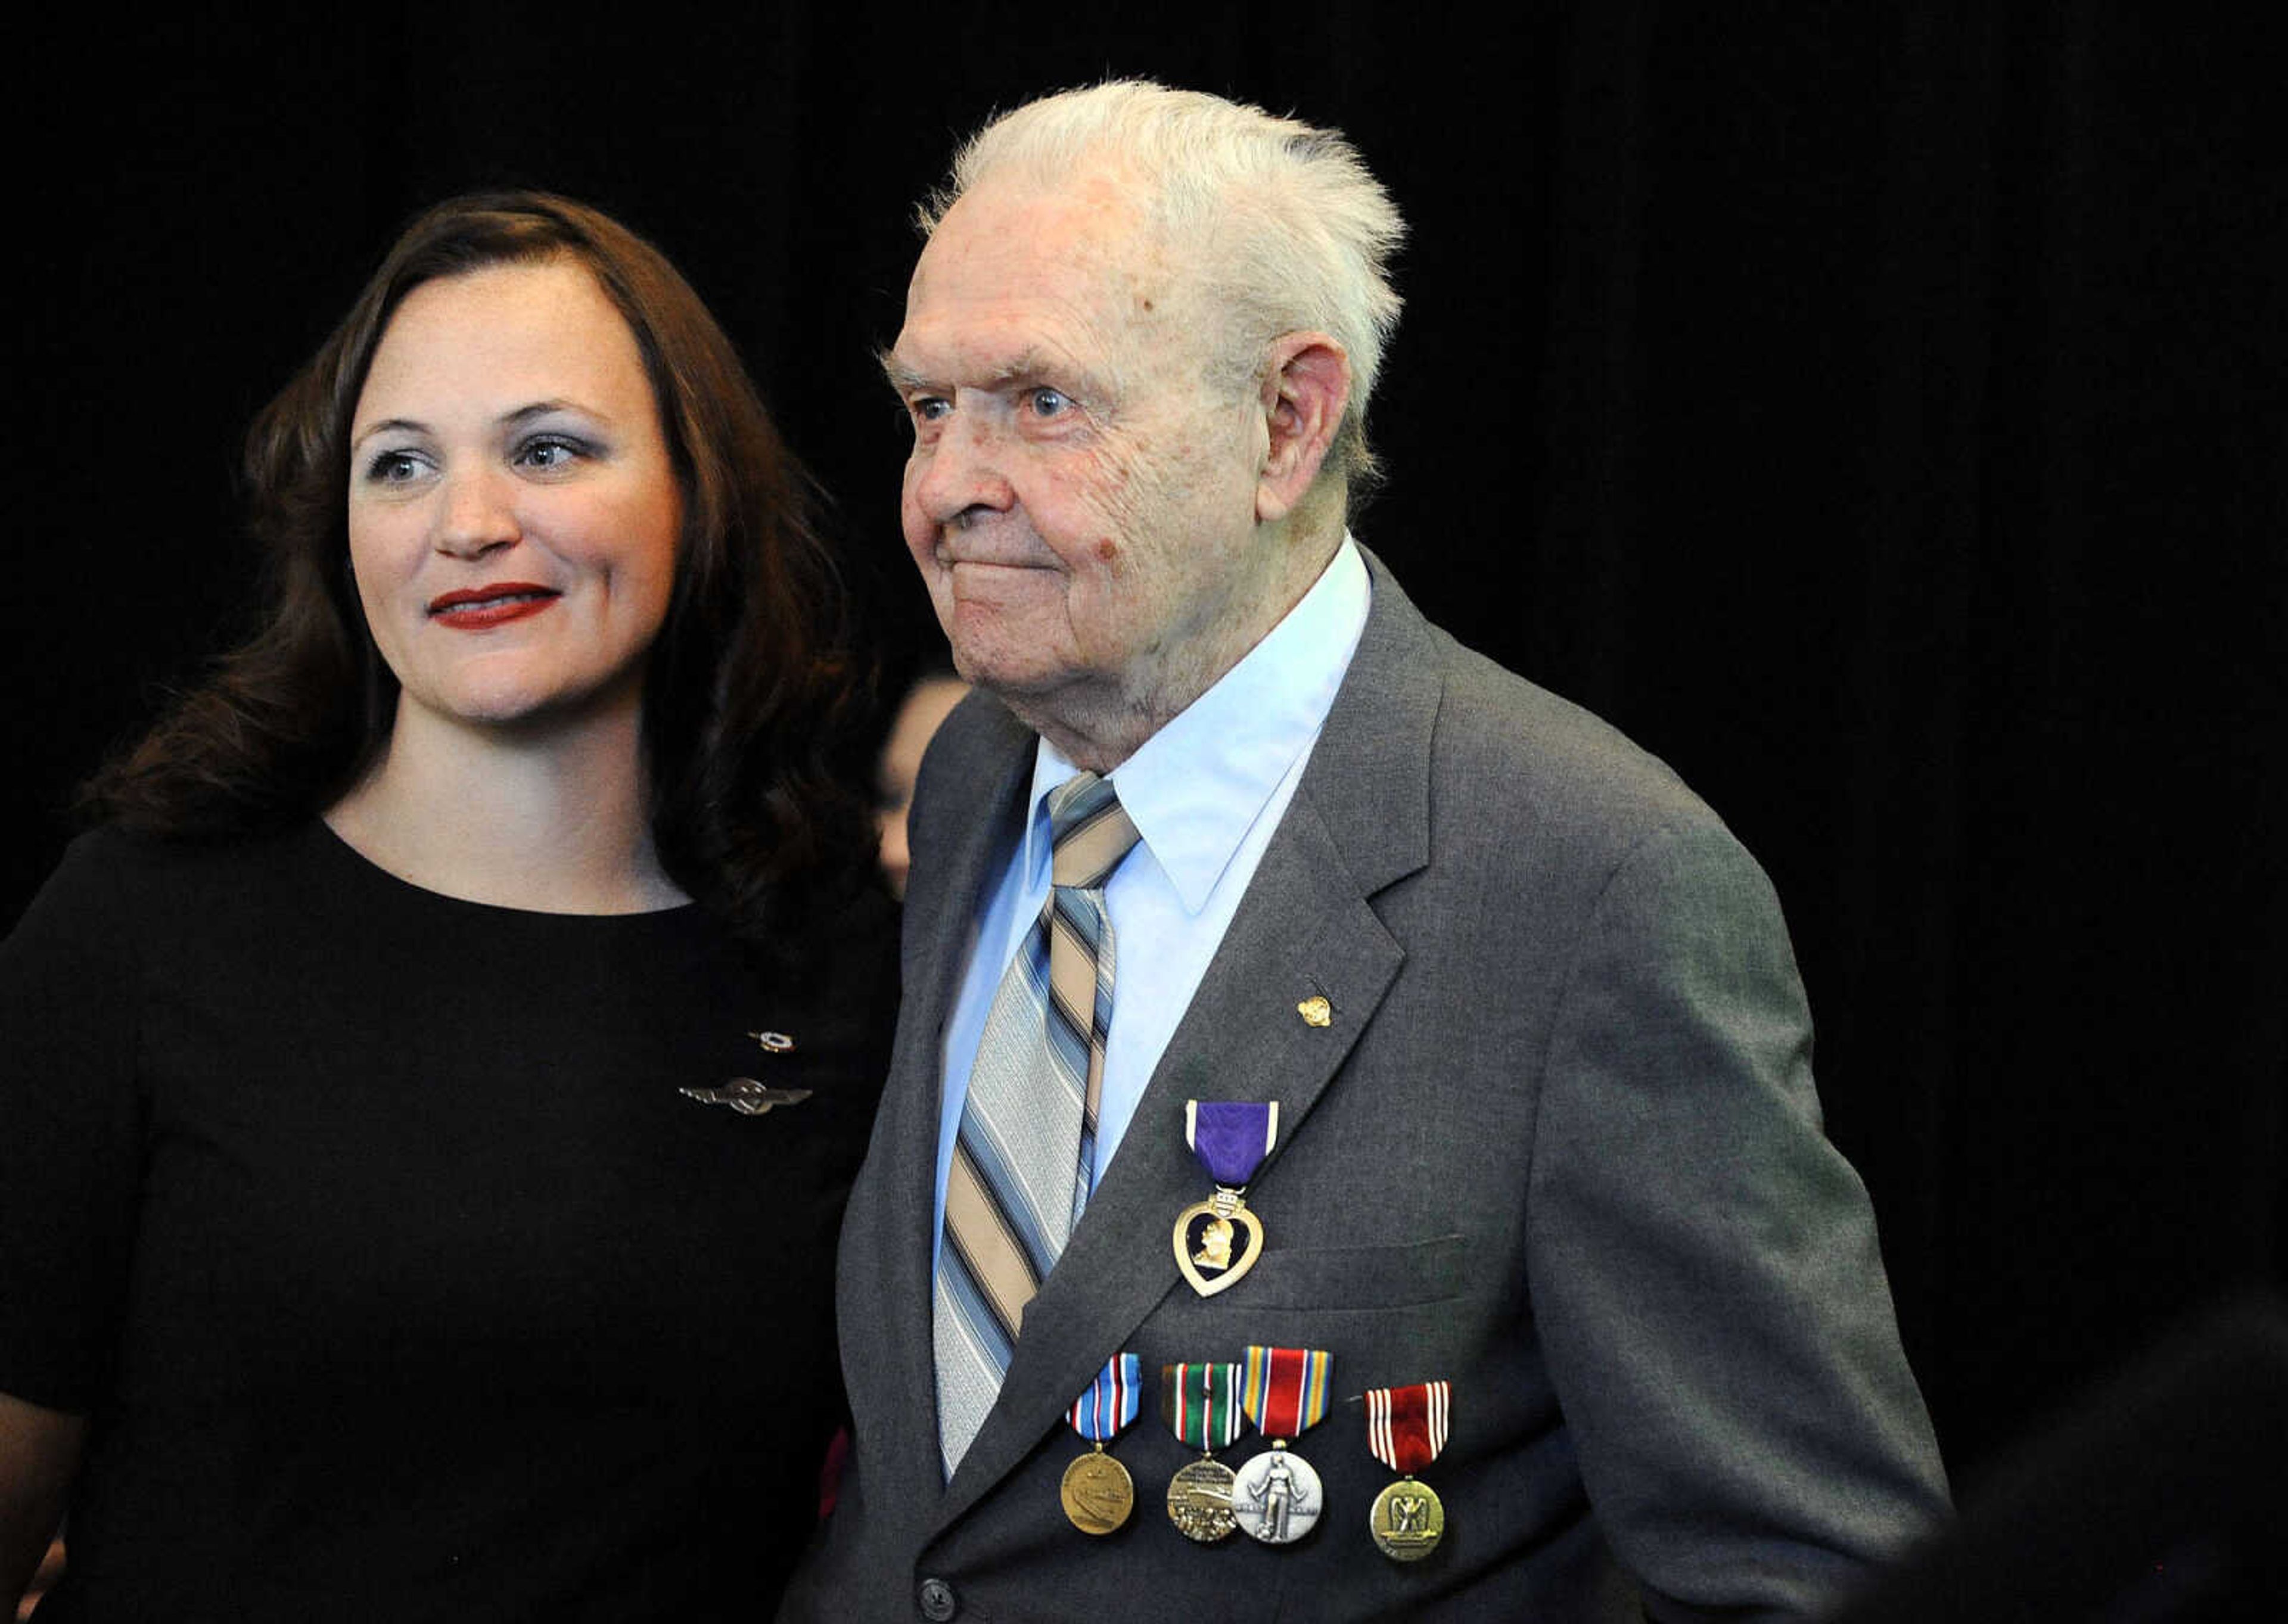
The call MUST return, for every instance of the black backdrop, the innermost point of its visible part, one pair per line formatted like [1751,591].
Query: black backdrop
[1877,412]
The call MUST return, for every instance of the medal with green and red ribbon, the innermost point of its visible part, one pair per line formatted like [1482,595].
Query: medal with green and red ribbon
[1097,1492]
[1201,1404]
[1276,1497]
[1406,1430]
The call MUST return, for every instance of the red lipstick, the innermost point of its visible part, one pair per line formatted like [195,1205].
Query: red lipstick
[481,608]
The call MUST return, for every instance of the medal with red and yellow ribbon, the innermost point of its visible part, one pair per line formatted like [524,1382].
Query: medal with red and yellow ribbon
[1406,1430]
[1276,1497]
[1097,1492]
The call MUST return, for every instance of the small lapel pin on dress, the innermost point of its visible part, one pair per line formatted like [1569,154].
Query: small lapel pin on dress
[747,1097]
[1316,1011]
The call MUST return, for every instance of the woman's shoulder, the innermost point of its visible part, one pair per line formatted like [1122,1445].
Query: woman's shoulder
[118,875]
[147,858]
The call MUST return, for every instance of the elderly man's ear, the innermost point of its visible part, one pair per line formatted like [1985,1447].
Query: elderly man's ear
[1306,385]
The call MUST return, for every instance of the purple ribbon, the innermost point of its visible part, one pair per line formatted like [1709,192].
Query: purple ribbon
[1231,1138]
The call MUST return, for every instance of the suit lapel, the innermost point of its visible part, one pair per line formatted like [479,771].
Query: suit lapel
[1358,821]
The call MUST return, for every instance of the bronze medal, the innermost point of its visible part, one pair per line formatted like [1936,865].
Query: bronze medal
[1406,1431]
[1276,1497]
[1406,1520]
[1097,1493]
[1202,1405]
[1199,1500]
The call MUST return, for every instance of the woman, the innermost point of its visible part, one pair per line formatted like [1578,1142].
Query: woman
[430,1096]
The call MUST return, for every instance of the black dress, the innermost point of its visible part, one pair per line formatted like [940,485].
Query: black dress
[397,1276]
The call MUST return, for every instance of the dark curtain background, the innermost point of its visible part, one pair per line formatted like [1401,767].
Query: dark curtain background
[1877,411]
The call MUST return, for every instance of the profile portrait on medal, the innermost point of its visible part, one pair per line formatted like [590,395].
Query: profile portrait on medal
[433,1081]
[1225,845]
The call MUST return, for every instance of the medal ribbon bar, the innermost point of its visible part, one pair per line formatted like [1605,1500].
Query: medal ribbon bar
[1110,1404]
[1287,1390]
[1201,1404]
[1231,1138]
[1406,1426]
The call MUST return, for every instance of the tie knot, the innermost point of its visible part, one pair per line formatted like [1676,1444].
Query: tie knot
[1088,831]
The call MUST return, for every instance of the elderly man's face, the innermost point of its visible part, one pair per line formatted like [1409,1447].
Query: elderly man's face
[1080,496]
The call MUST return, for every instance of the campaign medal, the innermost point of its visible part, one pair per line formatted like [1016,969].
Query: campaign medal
[1097,1493]
[1276,1497]
[1200,1403]
[1217,1239]
[1406,1429]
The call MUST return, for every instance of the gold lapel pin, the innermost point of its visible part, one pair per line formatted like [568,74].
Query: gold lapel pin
[1316,1011]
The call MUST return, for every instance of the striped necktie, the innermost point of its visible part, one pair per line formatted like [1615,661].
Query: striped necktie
[1028,1138]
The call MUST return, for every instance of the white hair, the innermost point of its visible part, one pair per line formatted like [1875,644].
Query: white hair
[1301,234]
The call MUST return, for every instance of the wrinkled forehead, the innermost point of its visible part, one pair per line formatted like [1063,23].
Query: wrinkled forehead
[1079,255]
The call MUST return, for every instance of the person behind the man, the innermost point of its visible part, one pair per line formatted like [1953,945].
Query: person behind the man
[1545,1131]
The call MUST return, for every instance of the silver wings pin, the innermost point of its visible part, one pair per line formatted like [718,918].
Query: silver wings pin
[746,1095]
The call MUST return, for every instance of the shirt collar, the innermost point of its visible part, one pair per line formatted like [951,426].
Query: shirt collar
[1198,785]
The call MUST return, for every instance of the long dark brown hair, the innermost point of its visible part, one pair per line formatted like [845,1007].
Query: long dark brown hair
[749,687]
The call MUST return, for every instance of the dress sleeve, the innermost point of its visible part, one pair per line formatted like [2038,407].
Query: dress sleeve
[1704,1262]
[70,1130]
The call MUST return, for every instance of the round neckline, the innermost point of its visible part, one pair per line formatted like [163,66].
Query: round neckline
[350,857]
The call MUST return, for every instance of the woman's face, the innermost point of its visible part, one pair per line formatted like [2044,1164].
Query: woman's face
[512,508]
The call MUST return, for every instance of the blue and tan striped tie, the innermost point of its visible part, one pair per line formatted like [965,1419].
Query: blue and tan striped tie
[1028,1138]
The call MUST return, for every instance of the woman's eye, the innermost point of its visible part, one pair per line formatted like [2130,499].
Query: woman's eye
[393,468]
[550,453]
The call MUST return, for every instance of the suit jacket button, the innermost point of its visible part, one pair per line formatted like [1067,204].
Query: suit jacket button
[938,1602]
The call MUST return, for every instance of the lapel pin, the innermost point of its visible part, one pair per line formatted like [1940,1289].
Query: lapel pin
[747,1097]
[1316,1011]
[773,1042]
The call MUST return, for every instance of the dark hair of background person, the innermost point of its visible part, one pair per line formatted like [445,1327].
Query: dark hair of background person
[747,684]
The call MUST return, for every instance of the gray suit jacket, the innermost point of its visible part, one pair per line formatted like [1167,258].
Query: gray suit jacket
[1559,1144]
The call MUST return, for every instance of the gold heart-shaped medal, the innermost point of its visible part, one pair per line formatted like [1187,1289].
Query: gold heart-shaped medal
[1217,1242]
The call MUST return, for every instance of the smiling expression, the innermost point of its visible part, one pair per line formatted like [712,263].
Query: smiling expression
[1080,493]
[513,509]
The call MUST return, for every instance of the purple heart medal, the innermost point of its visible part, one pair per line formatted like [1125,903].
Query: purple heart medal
[1217,1241]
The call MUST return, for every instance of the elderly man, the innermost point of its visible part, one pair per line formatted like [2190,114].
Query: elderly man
[1311,1030]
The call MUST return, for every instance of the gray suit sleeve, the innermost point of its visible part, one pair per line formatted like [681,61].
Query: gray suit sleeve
[1702,1262]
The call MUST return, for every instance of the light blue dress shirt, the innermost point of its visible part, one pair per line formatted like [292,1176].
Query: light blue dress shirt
[1205,793]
